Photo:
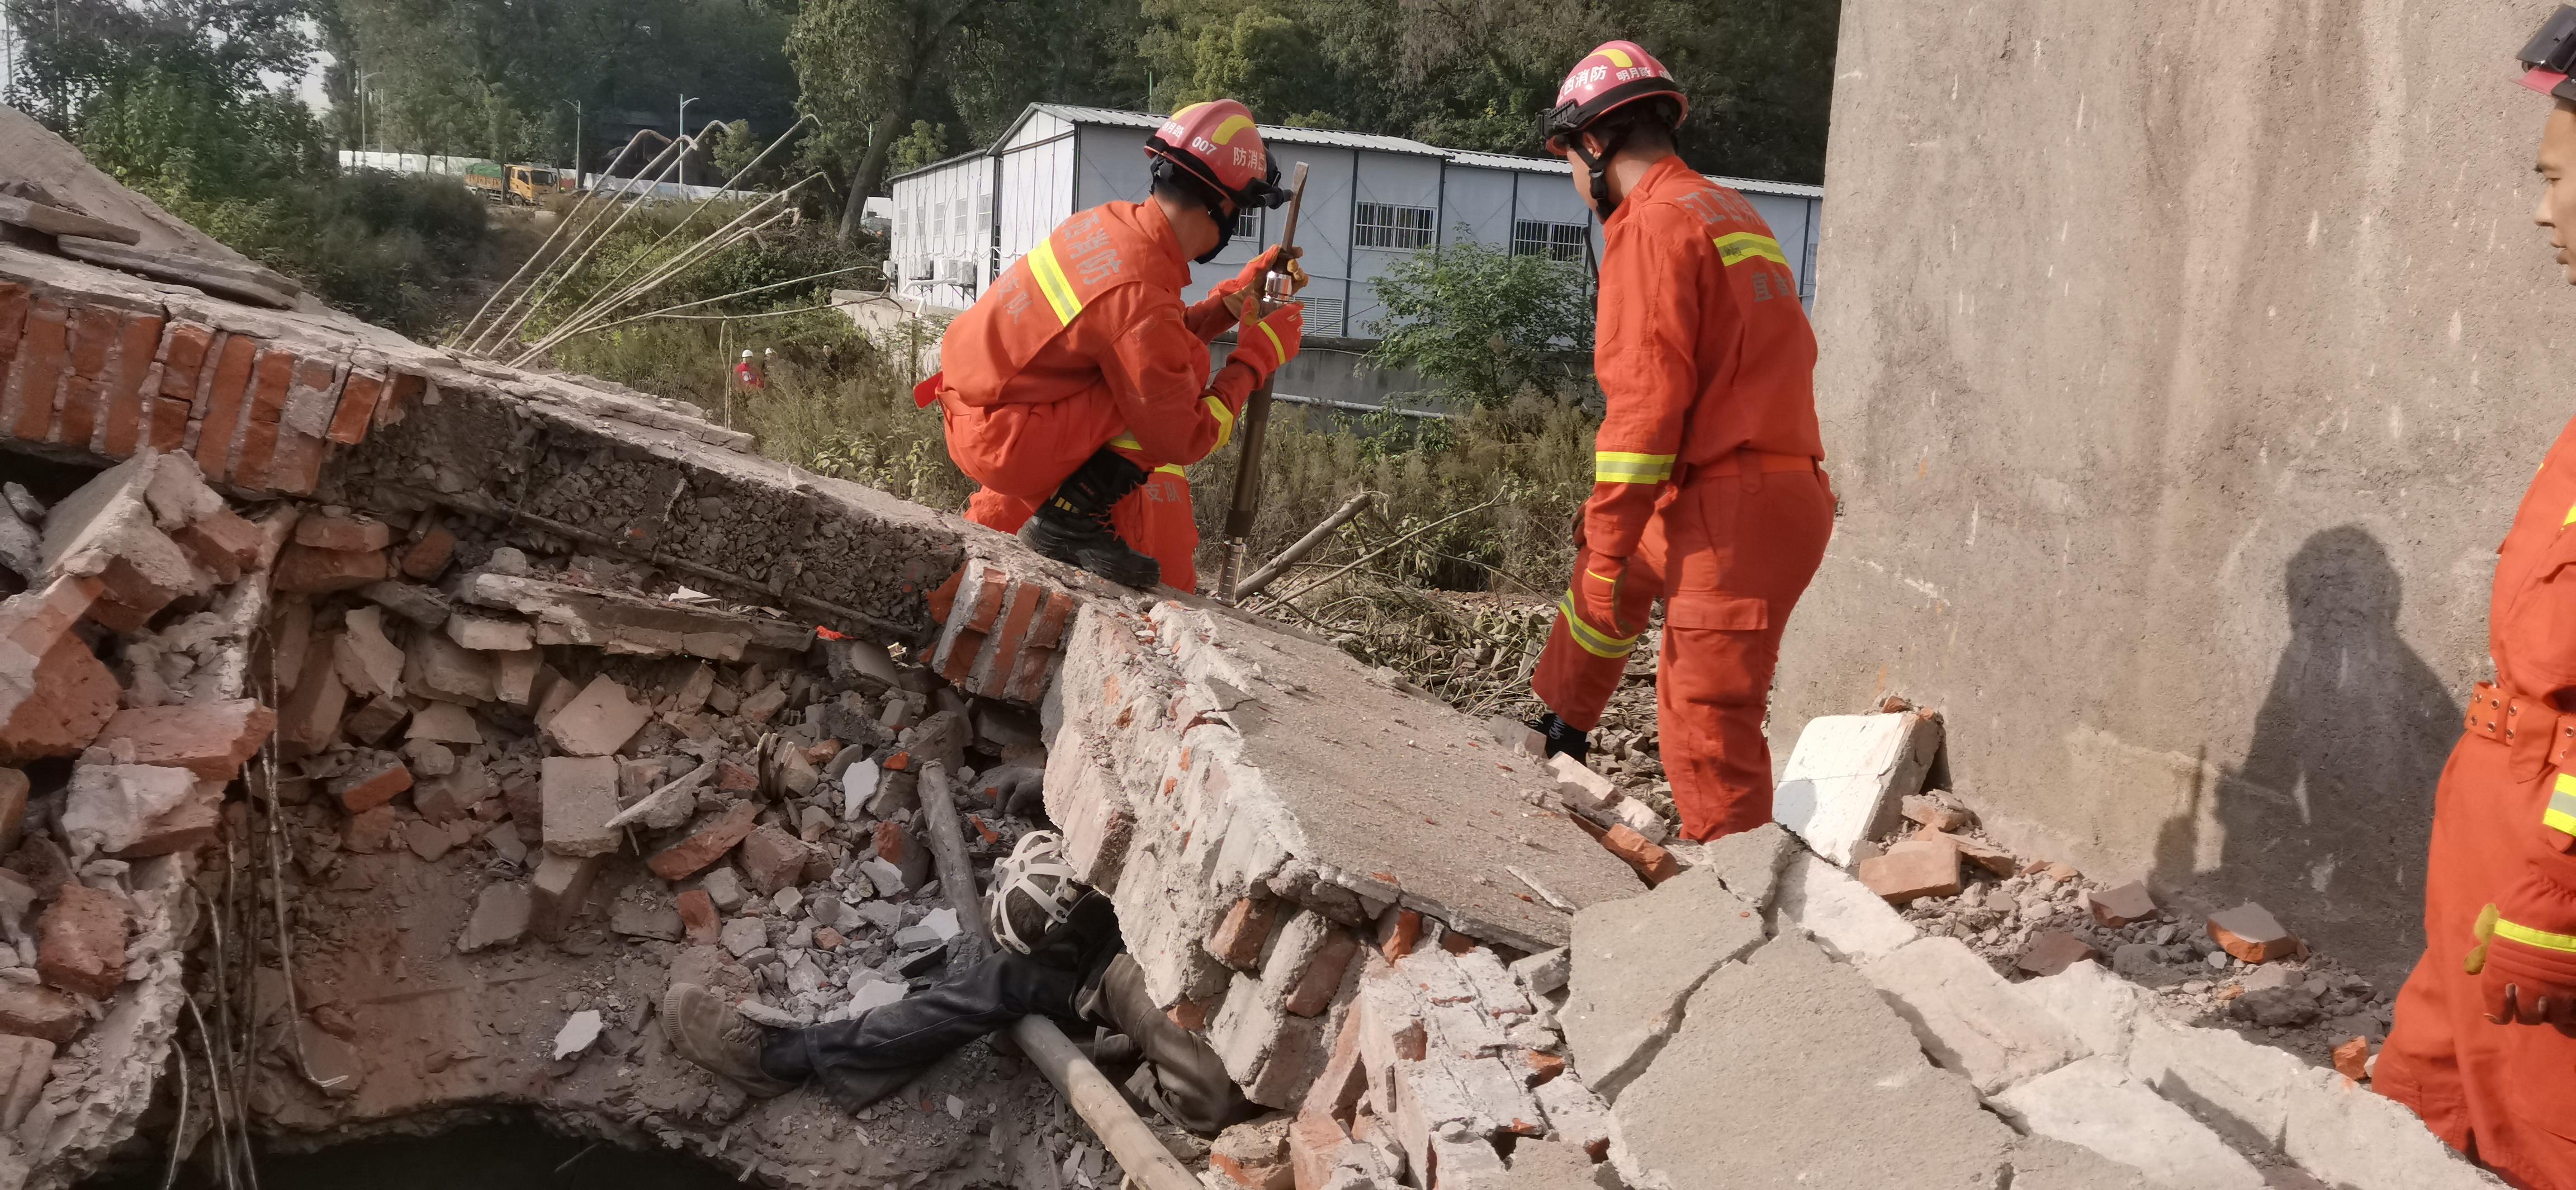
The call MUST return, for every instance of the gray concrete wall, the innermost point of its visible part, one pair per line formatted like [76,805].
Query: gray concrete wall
[2182,366]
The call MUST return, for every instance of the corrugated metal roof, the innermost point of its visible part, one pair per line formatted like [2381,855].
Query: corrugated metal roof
[1531,165]
[940,164]
[1273,133]
[1758,186]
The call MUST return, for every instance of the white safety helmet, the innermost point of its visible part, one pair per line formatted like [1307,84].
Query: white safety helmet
[1033,890]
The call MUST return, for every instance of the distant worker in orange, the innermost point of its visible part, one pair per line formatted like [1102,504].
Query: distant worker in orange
[1077,387]
[1708,490]
[2500,879]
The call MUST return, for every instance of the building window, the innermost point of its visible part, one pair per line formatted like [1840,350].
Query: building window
[939,219]
[1248,225]
[957,215]
[1384,225]
[1555,241]
[1323,315]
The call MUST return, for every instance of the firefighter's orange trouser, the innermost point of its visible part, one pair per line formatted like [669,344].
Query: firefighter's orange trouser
[2508,1089]
[1022,453]
[1729,551]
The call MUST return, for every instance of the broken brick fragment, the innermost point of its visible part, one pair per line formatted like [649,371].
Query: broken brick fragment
[1913,869]
[2052,951]
[210,739]
[2352,1059]
[301,567]
[1315,990]
[2250,932]
[698,917]
[428,557]
[342,533]
[36,1012]
[714,837]
[2117,907]
[1541,1067]
[1240,935]
[55,695]
[80,944]
[773,859]
[1397,932]
[224,542]
[371,784]
[1653,863]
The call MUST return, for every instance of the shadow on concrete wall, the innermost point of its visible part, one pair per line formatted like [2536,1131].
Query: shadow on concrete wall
[2326,821]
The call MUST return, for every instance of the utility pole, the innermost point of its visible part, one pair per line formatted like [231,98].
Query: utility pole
[363,109]
[683,134]
[576,144]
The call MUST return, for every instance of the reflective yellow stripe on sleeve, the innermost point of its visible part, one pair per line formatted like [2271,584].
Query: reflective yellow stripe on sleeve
[1619,466]
[1224,421]
[1124,442]
[2531,937]
[1589,639]
[1736,247]
[2561,814]
[1052,281]
[1169,469]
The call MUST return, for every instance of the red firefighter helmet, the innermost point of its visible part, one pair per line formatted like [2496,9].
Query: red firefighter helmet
[1217,143]
[1616,74]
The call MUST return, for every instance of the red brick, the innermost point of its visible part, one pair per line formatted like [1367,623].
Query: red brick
[227,399]
[270,379]
[191,824]
[1653,863]
[698,916]
[369,787]
[1008,639]
[295,465]
[707,844]
[211,739]
[128,397]
[1397,932]
[93,336]
[169,423]
[13,808]
[1192,1015]
[27,404]
[2251,933]
[1336,1092]
[735,777]
[1912,869]
[1239,936]
[259,446]
[772,859]
[1049,628]
[2052,951]
[1314,992]
[961,655]
[34,1012]
[311,719]
[80,943]
[77,421]
[65,693]
[357,407]
[304,568]
[398,397]
[2352,1059]
[183,356]
[1540,1067]
[13,322]
[828,939]
[224,542]
[986,605]
[893,842]
[1314,1144]
[428,557]
[2117,907]
[371,832]
[945,597]
[342,533]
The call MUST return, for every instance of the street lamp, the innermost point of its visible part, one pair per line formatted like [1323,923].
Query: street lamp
[363,113]
[685,101]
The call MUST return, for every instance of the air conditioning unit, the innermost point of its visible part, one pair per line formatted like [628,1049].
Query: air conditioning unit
[918,269]
[956,271]
[892,268]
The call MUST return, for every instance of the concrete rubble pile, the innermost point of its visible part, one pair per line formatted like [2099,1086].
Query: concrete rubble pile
[117,775]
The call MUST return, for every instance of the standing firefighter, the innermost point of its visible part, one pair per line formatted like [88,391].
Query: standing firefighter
[1077,387]
[2500,882]
[1707,491]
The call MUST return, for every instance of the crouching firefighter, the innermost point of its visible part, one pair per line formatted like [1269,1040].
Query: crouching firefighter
[1708,490]
[1076,388]
[1060,956]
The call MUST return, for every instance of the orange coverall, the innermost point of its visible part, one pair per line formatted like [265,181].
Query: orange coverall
[1706,480]
[1086,343]
[2505,1094]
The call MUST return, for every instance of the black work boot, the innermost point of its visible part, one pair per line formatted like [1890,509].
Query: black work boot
[1562,738]
[1073,525]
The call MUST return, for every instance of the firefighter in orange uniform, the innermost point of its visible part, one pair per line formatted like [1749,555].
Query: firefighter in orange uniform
[1708,491]
[1077,387]
[2484,1046]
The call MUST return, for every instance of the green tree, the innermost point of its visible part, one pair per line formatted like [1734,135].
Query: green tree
[865,66]
[1482,324]
[926,143]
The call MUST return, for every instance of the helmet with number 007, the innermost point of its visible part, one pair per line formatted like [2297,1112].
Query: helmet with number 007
[1033,890]
[1218,143]
[1612,76]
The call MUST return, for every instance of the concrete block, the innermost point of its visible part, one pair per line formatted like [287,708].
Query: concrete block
[368,662]
[2243,1088]
[598,721]
[558,888]
[2095,1104]
[1545,971]
[580,795]
[1848,775]
[1842,915]
[1547,1165]
[111,807]
[1969,1019]
[1749,863]
[1636,963]
[502,913]
[1817,1082]
[774,860]
[489,634]
[2039,1163]
[1575,1115]
[2099,1008]
[439,668]
[2357,1139]
[1580,786]
[444,723]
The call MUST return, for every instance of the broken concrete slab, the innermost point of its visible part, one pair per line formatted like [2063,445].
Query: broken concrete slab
[1819,1084]
[1636,963]
[1749,863]
[598,721]
[106,530]
[439,668]
[618,623]
[1842,915]
[2243,1088]
[2039,1163]
[580,795]
[2096,1105]
[490,634]
[2351,1136]
[501,915]
[1968,1018]
[1848,775]
[112,807]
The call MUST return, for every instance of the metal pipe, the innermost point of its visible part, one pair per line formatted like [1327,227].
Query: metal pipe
[1149,1165]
